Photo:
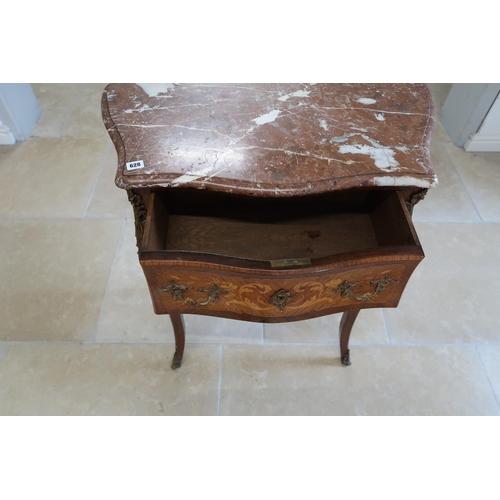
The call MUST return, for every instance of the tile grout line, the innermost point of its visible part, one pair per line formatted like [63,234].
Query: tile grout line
[4,353]
[220,379]
[29,217]
[109,280]
[386,327]
[71,111]
[464,186]
[274,344]
[487,376]
[97,181]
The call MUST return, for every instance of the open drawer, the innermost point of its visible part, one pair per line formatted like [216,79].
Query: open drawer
[280,259]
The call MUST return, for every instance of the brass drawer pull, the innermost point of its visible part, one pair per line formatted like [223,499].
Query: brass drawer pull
[345,289]
[178,293]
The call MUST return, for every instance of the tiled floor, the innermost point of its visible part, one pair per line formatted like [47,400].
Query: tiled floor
[78,335]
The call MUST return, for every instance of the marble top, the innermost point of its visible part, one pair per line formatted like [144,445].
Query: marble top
[271,139]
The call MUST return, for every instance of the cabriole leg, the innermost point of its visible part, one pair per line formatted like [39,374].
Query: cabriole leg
[180,339]
[346,324]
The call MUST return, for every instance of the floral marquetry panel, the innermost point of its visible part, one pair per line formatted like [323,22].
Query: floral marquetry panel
[213,293]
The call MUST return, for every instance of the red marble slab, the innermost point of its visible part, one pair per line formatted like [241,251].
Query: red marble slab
[271,140]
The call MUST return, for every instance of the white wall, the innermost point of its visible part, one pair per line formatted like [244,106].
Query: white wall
[19,111]
[487,138]
[464,112]
[6,136]
[491,124]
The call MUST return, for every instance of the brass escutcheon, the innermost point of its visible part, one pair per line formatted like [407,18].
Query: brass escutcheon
[178,293]
[280,299]
[345,289]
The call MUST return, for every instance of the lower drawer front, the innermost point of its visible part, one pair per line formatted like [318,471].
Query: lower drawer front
[184,290]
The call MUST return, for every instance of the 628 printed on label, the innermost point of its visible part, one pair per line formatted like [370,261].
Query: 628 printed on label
[134,165]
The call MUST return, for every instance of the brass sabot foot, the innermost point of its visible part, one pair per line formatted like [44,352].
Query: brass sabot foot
[346,358]
[176,362]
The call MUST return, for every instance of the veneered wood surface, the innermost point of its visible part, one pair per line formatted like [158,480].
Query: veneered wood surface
[249,296]
[346,324]
[271,140]
[180,338]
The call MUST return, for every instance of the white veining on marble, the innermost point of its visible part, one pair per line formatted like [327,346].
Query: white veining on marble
[298,93]
[366,100]
[383,157]
[296,153]
[341,138]
[143,108]
[323,125]
[232,139]
[193,176]
[211,139]
[137,125]
[229,87]
[404,180]
[345,108]
[267,118]
[153,89]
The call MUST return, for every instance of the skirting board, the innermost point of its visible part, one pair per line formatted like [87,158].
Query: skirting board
[485,143]
[6,136]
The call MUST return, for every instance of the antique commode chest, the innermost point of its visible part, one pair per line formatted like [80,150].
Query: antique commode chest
[273,202]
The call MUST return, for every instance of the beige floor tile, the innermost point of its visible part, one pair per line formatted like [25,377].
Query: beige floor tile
[57,101]
[8,150]
[50,177]
[383,380]
[440,91]
[439,134]
[128,316]
[85,119]
[53,275]
[480,173]
[108,200]
[449,200]
[452,297]
[94,379]
[369,328]
[127,313]
[3,350]
[437,102]
[207,329]
[489,357]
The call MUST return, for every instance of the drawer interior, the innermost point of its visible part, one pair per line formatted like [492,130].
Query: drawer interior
[305,228]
